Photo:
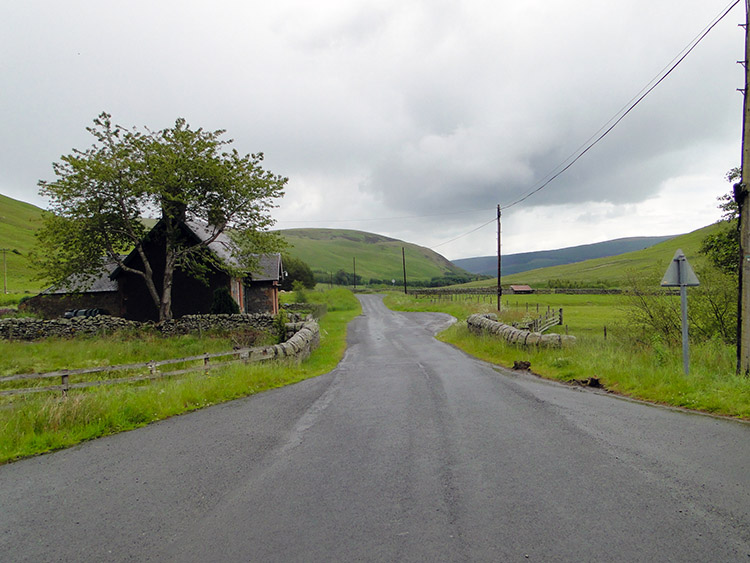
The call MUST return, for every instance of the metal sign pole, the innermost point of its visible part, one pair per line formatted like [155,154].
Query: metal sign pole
[683,307]
[679,273]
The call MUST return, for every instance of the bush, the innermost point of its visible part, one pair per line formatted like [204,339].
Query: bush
[299,292]
[279,326]
[712,309]
[223,303]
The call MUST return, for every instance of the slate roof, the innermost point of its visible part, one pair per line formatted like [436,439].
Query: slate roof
[102,284]
[221,247]
[269,267]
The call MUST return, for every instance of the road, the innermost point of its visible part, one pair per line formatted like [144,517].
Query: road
[409,451]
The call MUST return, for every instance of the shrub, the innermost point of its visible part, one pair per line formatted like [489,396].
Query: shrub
[299,292]
[279,326]
[223,303]
[712,309]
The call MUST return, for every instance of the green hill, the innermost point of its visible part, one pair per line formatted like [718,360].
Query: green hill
[613,271]
[18,223]
[377,257]
[524,261]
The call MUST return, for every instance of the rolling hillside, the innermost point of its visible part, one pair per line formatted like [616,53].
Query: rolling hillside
[329,250]
[18,223]
[613,271]
[524,261]
[377,256]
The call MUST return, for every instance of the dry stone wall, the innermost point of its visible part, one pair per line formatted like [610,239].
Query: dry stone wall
[479,324]
[37,329]
[301,344]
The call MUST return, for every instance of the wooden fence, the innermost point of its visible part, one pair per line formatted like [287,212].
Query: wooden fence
[552,317]
[151,369]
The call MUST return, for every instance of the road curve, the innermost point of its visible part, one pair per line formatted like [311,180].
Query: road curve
[408,451]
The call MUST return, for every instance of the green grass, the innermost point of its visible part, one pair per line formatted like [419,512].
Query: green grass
[330,250]
[18,223]
[651,372]
[35,424]
[57,353]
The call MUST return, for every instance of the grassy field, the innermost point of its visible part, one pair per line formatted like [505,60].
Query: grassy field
[650,371]
[35,424]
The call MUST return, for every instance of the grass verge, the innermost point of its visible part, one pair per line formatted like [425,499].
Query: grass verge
[34,424]
[652,372]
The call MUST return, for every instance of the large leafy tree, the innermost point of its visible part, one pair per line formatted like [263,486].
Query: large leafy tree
[101,194]
[296,270]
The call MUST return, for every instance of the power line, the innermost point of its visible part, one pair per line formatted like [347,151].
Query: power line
[576,156]
[465,234]
[584,148]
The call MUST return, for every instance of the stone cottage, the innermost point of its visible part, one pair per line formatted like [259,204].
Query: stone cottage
[124,294]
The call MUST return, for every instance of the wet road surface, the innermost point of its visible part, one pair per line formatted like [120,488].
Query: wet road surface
[408,451]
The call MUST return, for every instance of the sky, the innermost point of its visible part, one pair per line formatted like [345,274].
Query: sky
[413,119]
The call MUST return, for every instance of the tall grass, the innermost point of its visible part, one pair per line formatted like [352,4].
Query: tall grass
[35,424]
[650,371]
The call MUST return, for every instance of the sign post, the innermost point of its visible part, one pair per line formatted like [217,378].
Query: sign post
[680,274]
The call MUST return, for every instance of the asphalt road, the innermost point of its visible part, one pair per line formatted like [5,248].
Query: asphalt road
[408,451]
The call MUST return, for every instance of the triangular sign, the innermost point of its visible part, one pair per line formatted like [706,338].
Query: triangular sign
[679,272]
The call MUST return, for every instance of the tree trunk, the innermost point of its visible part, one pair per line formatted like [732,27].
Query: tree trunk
[165,308]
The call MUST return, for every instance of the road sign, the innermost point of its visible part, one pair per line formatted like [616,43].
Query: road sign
[679,273]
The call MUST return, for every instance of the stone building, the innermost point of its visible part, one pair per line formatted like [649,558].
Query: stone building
[125,294]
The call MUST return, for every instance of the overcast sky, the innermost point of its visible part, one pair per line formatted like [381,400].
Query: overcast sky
[409,118]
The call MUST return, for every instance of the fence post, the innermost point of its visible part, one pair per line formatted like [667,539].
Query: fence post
[206,362]
[561,316]
[65,384]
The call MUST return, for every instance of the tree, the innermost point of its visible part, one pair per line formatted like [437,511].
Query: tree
[723,247]
[101,194]
[295,270]
[341,277]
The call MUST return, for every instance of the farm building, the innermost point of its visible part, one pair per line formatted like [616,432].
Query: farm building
[521,289]
[125,294]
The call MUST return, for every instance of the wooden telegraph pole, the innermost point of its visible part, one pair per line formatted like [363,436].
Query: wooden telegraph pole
[403,260]
[740,196]
[499,262]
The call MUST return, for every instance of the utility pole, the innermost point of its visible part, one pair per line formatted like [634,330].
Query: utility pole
[403,259]
[354,263]
[743,203]
[499,262]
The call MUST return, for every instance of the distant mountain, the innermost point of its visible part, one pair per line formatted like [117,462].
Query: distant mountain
[524,261]
[377,256]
